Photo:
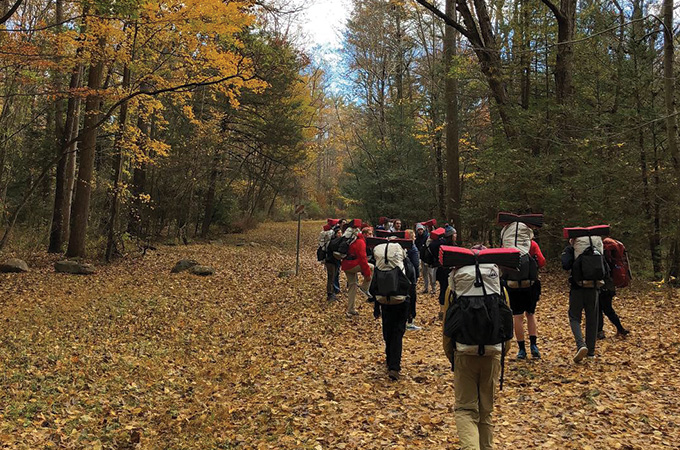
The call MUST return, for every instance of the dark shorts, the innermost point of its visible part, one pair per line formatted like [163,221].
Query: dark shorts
[524,300]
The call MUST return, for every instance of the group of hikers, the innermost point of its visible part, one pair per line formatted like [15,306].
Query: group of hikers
[484,295]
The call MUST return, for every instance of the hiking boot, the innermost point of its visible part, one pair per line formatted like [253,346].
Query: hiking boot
[522,354]
[623,333]
[534,351]
[393,374]
[332,298]
[580,354]
[600,335]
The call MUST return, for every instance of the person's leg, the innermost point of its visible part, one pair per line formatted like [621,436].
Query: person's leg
[352,275]
[331,269]
[590,305]
[336,284]
[518,306]
[533,334]
[433,280]
[466,390]
[394,327]
[489,374]
[575,313]
[425,269]
[607,307]
[600,313]
[366,283]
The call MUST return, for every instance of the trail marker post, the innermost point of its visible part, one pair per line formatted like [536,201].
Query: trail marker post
[299,210]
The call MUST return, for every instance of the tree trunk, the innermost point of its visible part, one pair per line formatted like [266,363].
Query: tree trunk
[565,51]
[671,135]
[453,199]
[81,205]
[56,229]
[210,196]
[118,171]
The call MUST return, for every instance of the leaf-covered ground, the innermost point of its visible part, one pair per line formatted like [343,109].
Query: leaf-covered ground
[135,357]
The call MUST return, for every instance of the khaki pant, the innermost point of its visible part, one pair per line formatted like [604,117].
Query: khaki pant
[475,380]
[352,283]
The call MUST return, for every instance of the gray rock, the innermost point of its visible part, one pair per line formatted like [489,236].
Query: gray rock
[255,244]
[13,265]
[74,267]
[286,273]
[184,265]
[202,271]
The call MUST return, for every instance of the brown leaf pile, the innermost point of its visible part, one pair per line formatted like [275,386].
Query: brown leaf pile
[135,357]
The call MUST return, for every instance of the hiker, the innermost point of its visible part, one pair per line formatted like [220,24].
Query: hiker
[475,340]
[583,257]
[392,283]
[330,262]
[428,273]
[382,223]
[524,286]
[414,257]
[618,276]
[396,226]
[368,233]
[355,262]
[442,273]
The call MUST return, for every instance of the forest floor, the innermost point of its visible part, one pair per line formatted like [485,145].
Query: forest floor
[136,357]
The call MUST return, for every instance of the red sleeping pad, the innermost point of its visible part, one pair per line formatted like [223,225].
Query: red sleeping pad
[450,256]
[598,230]
[436,234]
[430,223]
[332,222]
[533,220]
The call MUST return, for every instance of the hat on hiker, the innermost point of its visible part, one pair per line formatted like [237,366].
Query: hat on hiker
[449,231]
[420,226]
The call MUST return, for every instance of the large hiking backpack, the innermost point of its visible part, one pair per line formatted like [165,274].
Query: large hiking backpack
[589,264]
[389,285]
[519,235]
[479,314]
[324,239]
[617,258]
[339,246]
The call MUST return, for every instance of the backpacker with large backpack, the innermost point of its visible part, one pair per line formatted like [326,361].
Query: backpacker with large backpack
[589,268]
[616,256]
[478,319]
[518,233]
[391,282]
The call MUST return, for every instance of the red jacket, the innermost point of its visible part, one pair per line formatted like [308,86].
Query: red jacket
[356,256]
[535,250]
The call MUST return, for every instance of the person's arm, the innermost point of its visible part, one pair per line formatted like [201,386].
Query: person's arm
[568,257]
[361,257]
[448,343]
[535,251]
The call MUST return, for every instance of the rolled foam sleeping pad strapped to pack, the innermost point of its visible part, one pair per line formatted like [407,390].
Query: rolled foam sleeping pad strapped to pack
[386,234]
[437,233]
[372,242]
[450,256]
[532,220]
[575,232]
[332,222]
[429,223]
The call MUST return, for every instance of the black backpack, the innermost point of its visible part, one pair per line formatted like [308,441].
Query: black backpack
[390,283]
[590,265]
[479,319]
[338,247]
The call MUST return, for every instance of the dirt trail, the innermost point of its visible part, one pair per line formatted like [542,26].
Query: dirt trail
[135,357]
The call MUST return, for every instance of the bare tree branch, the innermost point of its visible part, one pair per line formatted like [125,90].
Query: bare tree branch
[11,12]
